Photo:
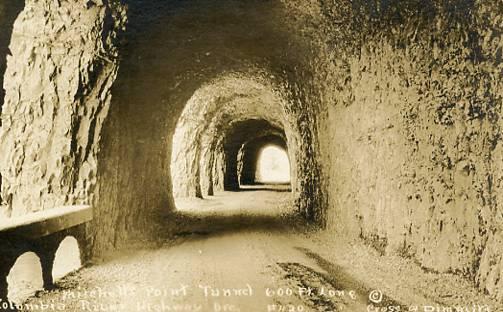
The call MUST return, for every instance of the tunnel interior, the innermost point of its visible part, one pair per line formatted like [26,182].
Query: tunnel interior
[389,113]
[222,130]
[243,160]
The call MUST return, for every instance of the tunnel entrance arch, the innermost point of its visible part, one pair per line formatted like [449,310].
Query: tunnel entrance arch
[250,153]
[218,121]
[242,146]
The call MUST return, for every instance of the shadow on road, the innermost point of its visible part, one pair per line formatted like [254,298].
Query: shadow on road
[340,279]
[280,187]
[186,224]
[251,210]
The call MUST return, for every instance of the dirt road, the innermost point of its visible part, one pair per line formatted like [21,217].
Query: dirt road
[234,252]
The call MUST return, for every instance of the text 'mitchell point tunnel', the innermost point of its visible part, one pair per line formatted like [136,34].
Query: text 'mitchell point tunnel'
[326,144]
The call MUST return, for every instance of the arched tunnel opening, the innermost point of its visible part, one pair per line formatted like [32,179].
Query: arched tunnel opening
[264,160]
[219,135]
[218,140]
[241,158]
[326,144]
[238,160]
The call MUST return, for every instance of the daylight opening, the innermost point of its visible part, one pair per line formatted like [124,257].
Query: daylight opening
[67,258]
[273,166]
[25,278]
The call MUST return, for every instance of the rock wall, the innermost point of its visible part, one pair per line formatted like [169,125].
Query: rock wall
[57,85]
[9,10]
[412,130]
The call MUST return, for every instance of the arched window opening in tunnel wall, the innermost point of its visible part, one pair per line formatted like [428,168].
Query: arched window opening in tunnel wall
[273,166]
[67,258]
[25,278]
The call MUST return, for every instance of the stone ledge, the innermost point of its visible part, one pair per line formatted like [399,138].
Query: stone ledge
[46,222]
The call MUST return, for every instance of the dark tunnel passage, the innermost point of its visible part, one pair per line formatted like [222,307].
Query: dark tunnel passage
[165,121]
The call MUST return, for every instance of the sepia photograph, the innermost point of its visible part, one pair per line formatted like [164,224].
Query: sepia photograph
[251,155]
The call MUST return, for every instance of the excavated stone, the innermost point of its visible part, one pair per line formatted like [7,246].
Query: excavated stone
[412,101]
[57,84]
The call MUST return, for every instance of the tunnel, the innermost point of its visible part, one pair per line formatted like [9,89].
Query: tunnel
[216,123]
[263,160]
[249,147]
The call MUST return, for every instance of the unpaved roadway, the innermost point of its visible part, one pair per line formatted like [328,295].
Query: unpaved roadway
[233,252]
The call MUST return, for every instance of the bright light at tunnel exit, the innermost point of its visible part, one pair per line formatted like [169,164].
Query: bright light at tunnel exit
[273,166]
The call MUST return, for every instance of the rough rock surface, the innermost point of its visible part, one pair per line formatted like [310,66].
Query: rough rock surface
[9,10]
[57,85]
[413,105]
